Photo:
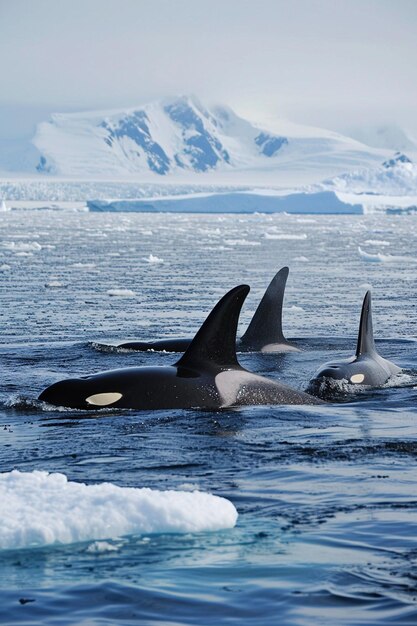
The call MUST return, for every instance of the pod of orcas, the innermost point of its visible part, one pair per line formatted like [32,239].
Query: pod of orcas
[209,376]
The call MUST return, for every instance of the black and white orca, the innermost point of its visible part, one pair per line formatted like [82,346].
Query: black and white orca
[208,375]
[366,367]
[264,333]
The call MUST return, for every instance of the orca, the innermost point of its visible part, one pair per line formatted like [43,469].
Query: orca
[208,375]
[264,333]
[366,367]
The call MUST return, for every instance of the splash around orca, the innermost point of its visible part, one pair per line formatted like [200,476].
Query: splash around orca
[264,333]
[208,375]
[366,367]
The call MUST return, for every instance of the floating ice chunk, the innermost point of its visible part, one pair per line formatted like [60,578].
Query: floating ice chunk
[153,259]
[22,246]
[377,242]
[121,293]
[284,236]
[84,266]
[98,547]
[4,267]
[384,258]
[53,284]
[241,242]
[370,258]
[38,509]
[304,259]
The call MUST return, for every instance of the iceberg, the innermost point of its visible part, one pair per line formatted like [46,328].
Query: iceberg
[262,201]
[39,509]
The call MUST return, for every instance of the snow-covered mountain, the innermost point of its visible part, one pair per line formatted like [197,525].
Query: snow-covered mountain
[181,137]
[387,137]
[396,176]
[160,137]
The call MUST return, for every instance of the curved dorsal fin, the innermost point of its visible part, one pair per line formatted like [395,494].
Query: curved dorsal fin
[366,343]
[266,324]
[215,342]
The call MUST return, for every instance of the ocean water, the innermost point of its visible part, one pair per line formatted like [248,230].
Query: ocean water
[326,495]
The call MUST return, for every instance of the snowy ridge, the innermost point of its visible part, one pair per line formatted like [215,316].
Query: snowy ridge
[39,509]
[181,136]
[396,176]
[161,137]
[387,137]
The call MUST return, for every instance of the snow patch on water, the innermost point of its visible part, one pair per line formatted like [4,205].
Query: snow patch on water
[39,508]
[285,236]
[241,242]
[83,266]
[22,246]
[377,242]
[384,258]
[100,547]
[153,259]
[121,293]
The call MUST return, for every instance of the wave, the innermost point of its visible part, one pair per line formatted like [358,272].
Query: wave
[107,347]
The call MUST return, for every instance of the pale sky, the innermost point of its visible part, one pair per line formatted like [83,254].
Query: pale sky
[324,62]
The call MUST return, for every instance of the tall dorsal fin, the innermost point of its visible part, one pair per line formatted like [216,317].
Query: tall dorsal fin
[366,343]
[266,324]
[215,342]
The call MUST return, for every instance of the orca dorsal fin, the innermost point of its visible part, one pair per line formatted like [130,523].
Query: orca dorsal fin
[266,324]
[215,342]
[366,343]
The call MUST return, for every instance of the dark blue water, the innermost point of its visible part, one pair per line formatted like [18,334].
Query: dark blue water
[327,496]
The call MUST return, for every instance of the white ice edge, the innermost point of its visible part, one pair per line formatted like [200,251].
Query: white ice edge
[39,509]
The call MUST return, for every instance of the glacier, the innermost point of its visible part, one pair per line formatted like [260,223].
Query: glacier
[176,154]
[259,201]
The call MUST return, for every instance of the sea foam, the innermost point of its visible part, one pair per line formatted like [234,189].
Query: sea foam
[39,508]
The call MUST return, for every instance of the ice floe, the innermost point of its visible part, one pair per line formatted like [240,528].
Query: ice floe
[152,258]
[121,293]
[384,258]
[39,508]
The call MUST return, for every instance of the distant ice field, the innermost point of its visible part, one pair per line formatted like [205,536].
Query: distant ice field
[326,496]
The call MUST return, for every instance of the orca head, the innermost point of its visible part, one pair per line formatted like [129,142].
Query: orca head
[354,371]
[80,393]
[366,367]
